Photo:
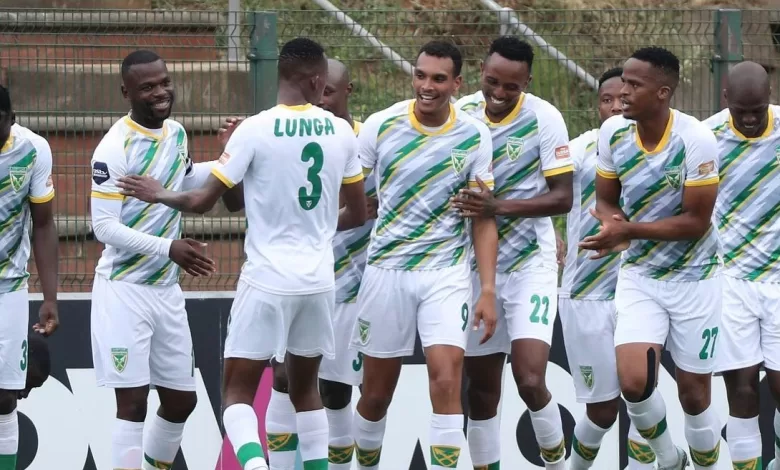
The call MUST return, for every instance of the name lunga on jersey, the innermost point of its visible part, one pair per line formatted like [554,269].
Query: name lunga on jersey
[303,127]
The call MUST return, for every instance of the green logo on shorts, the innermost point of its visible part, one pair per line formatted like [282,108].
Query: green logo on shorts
[364,329]
[119,357]
[587,375]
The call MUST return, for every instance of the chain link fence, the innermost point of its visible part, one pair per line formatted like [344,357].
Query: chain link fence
[62,68]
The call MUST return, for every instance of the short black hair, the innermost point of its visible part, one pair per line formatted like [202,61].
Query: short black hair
[38,353]
[609,74]
[442,50]
[300,56]
[141,56]
[512,48]
[5,100]
[663,60]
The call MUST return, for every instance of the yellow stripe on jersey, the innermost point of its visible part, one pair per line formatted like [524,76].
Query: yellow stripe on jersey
[610,175]
[225,180]
[299,107]
[9,144]
[419,127]
[43,199]
[474,185]
[509,117]
[136,128]
[352,179]
[661,143]
[767,132]
[558,171]
[356,125]
[110,196]
[714,180]
[367,171]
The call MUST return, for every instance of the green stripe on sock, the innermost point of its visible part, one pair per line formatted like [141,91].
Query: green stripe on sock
[8,462]
[249,451]
[366,457]
[282,442]
[752,464]
[445,456]
[157,463]
[640,452]
[655,431]
[317,464]
[705,458]
[587,453]
[490,466]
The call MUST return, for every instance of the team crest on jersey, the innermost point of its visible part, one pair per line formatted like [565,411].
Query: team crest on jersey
[119,358]
[673,175]
[587,376]
[18,175]
[514,147]
[364,330]
[458,157]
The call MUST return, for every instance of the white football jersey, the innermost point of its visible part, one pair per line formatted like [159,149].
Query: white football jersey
[293,161]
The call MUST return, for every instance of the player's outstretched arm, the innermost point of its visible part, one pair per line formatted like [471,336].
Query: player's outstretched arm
[354,212]
[485,239]
[198,201]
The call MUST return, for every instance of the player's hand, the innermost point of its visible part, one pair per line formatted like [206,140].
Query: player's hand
[612,237]
[472,203]
[140,187]
[485,313]
[372,205]
[560,250]
[49,318]
[226,130]
[188,254]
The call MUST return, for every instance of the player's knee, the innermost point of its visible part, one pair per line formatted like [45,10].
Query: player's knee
[444,388]
[694,400]
[532,388]
[635,387]
[603,414]
[482,401]
[335,396]
[179,410]
[132,410]
[7,401]
[743,400]
[375,401]
[280,379]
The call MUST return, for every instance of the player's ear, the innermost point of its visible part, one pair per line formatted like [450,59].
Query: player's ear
[124,91]
[458,81]
[664,92]
[349,89]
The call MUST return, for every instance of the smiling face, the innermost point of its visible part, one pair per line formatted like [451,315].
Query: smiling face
[149,89]
[503,82]
[749,110]
[434,84]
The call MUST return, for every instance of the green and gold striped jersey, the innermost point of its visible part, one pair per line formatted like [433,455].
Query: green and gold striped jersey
[349,251]
[129,149]
[25,178]
[530,144]
[652,189]
[747,212]
[585,278]
[417,170]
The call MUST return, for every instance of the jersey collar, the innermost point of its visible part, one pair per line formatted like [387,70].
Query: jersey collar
[419,127]
[509,117]
[767,132]
[664,139]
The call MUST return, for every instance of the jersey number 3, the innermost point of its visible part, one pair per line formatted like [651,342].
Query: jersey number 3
[309,201]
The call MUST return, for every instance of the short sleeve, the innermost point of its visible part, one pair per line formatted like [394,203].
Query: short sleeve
[701,158]
[605,166]
[483,159]
[239,152]
[554,149]
[353,171]
[42,184]
[108,165]
[367,142]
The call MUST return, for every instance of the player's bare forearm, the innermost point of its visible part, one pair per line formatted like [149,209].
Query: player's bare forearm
[557,201]
[691,224]
[234,198]
[354,212]
[485,237]
[608,196]
[45,246]
[198,201]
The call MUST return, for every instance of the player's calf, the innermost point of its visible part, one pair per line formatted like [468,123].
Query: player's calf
[310,418]
[483,395]
[336,398]
[590,431]
[241,378]
[743,433]
[9,430]
[380,377]
[445,366]
[280,424]
[702,426]
[163,438]
[127,435]
[529,367]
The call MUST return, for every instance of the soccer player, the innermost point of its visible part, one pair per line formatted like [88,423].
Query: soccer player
[748,134]
[533,173]
[587,307]
[294,160]
[337,376]
[26,211]
[140,331]
[656,185]
[417,279]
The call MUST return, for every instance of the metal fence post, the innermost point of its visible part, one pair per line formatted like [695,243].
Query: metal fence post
[263,55]
[728,51]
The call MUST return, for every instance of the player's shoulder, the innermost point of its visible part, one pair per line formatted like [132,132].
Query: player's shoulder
[111,146]
[541,107]
[718,121]
[690,129]
[584,139]
[470,102]
[173,127]
[374,122]
[23,134]
[472,122]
